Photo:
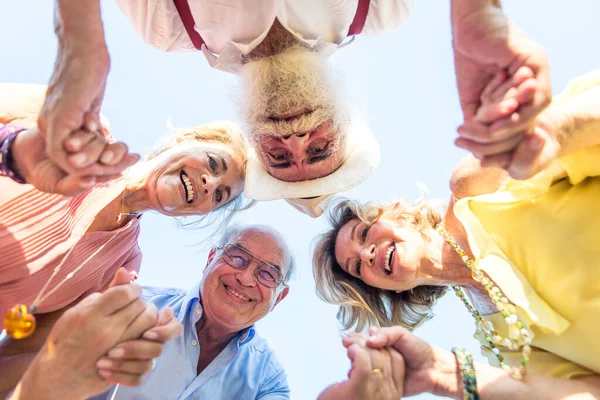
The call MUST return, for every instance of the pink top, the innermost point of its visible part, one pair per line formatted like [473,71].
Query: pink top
[36,231]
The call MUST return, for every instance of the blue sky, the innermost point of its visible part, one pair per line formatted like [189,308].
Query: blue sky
[402,82]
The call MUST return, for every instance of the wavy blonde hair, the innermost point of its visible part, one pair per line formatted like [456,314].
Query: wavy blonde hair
[362,305]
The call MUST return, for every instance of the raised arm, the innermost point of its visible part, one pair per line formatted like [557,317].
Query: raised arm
[429,369]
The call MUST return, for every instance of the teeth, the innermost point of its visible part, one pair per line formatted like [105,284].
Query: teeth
[189,189]
[388,254]
[241,296]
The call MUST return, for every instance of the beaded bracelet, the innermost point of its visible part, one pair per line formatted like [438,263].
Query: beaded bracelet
[9,132]
[467,371]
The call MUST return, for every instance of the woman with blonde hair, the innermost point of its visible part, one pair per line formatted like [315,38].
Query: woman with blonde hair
[521,255]
[58,249]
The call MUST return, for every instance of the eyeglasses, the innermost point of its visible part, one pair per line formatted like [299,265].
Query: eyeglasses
[239,258]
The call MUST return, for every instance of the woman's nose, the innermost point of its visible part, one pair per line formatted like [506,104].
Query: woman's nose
[208,183]
[367,253]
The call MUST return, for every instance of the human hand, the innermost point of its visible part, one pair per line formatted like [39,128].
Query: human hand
[74,97]
[427,368]
[134,355]
[65,368]
[525,153]
[33,164]
[374,373]
[485,44]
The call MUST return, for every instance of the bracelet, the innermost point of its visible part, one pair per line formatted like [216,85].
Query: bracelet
[9,132]
[467,371]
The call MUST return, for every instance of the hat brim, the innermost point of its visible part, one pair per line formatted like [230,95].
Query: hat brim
[361,159]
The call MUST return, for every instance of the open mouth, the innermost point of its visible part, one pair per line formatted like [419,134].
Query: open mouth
[389,256]
[187,187]
[237,294]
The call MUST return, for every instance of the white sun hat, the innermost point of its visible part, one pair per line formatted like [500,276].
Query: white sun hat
[311,197]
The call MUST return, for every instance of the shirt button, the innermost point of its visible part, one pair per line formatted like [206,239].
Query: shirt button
[199,311]
[194,342]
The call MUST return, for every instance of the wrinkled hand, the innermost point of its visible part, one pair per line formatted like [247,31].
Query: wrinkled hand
[32,162]
[486,45]
[428,369]
[66,366]
[363,383]
[72,104]
[133,357]
[525,153]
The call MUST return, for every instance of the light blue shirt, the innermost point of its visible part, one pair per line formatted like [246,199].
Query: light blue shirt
[246,369]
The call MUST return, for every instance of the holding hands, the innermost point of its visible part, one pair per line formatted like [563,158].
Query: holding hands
[503,81]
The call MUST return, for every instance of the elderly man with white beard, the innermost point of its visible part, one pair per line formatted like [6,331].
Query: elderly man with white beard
[307,145]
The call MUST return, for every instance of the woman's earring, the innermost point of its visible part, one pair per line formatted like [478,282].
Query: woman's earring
[397,291]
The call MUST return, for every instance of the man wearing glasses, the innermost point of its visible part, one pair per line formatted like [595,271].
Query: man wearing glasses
[219,355]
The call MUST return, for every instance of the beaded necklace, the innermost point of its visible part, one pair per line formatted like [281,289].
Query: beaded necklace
[519,337]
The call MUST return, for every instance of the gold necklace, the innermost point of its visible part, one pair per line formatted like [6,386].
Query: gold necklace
[19,320]
[519,337]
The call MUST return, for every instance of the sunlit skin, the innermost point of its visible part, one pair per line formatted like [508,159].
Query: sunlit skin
[302,156]
[419,258]
[227,311]
[213,169]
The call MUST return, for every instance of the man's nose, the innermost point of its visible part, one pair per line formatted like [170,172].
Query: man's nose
[296,144]
[246,276]
[367,254]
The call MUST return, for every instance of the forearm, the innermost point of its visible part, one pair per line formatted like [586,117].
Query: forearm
[79,21]
[496,384]
[462,8]
[581,126]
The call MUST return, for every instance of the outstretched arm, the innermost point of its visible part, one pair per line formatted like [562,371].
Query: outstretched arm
[429,369]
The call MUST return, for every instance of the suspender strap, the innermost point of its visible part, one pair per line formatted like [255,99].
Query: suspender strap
[360,18]
[183,8]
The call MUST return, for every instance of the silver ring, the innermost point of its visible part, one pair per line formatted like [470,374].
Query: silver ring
[153,364]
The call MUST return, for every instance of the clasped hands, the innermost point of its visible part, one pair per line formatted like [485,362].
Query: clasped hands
[390,363]
[108,338]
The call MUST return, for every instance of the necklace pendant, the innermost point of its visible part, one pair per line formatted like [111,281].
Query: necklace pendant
[19,322]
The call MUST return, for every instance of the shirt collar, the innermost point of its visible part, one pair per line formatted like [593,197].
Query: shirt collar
[245,335]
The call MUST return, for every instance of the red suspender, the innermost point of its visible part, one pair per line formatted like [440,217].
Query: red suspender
[360,18]
[183,8]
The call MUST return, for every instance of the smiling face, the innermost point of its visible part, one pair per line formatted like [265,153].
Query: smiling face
[387,254]
[295,118]
[194,178]
[234,298]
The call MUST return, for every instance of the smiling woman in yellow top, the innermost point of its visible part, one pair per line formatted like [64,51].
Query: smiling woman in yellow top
[530,249]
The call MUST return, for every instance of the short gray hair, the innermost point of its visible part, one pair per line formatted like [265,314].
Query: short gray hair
[231,235]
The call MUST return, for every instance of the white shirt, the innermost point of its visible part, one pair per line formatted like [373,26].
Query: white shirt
[231,28]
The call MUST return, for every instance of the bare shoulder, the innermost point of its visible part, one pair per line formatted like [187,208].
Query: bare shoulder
[470,179]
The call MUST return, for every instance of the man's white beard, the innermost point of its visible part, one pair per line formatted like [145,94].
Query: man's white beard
[296,81]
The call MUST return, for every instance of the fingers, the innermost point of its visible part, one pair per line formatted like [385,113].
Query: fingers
[116,298]
[122,378]
[71,185]
[532,155]
[501,160]
[121,278]
[398,369]
[78,140]
[98,170]
[114,153]
[139,367]
[139,349]
[361,366]
[89,153]
[492,87]
[143,321]
[91,121]
[481,150]
[167,327]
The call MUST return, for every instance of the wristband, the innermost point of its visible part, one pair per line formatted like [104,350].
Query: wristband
[8,133]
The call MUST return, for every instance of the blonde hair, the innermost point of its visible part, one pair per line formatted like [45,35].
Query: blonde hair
[224,132]
[362,305]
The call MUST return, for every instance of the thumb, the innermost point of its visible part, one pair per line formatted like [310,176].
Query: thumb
[121,278]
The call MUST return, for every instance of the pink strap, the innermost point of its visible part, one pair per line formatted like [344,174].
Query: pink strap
[360,18]
[183,8]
